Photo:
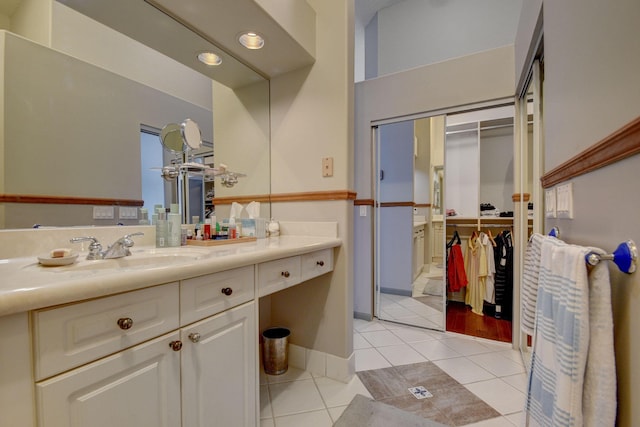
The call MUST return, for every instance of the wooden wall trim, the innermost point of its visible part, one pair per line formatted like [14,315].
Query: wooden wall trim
[363,202]
[623,143]
[263,198]
[422,205]
[314,196]
[395,204]
[289,197]
[67,200]
[516,197]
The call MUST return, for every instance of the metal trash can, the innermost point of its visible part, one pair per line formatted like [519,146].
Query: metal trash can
[275,357]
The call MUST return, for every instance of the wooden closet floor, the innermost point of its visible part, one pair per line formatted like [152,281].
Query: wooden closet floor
[461,320]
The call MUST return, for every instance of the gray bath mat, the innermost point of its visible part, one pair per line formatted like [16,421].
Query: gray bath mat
[364,412]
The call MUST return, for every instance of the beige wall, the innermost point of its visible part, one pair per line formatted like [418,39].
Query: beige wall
[590,90]
[312,117]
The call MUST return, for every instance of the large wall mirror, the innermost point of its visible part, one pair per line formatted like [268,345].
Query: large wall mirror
[73,122]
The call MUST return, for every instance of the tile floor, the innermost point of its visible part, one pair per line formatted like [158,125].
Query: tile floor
[489,369]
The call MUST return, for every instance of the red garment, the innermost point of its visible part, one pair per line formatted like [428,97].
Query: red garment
[456,276]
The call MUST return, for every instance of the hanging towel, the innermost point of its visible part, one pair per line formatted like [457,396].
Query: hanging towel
[529,290]
[599,399]
[560,339]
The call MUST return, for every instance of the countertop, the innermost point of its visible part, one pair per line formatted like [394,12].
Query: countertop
[27,285]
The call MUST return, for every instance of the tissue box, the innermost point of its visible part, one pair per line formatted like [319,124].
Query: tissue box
[254,227]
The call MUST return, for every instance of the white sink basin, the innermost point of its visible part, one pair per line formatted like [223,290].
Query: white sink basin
[139,258]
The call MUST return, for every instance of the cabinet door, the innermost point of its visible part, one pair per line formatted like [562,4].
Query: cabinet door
[136,387]
[219,376]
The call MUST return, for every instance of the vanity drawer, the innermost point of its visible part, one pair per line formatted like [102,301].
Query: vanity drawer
[207,295]
[74,334]
[277,275]
[316,263]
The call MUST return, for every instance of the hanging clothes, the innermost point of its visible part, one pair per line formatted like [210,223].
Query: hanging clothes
[476,269]
[488,243]
[456,276]
[503,253]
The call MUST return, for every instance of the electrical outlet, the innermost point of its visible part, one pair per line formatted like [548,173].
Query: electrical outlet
[363,210]
[327,166]
[550,203]
[564,201]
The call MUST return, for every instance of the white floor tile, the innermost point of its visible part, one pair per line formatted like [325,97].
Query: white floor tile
[466,346]
[364,326]
[497,364]
[500,395]
[381,338]
[513,355]
[306,419]
[267,422]
[359,342]
[265,403]
[518,381]
[402,354]
[295,397]
[435,350]
[336,393]
[336,412]
[463,370]
[413,335]
[516,419]
[292,374]
[369,358]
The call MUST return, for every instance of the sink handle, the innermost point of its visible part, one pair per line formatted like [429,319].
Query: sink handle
[95,248]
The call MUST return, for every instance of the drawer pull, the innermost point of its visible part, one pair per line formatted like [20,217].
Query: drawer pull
[286,274]
[125,323]
[175,345]
[227,291]
[194,337]
[320,263]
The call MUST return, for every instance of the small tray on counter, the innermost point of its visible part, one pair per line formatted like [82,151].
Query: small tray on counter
[219,242]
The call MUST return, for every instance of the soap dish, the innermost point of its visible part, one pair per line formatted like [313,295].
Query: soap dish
[49,261]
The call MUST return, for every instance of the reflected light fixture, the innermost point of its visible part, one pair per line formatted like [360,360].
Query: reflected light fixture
[251,40]
[209,58]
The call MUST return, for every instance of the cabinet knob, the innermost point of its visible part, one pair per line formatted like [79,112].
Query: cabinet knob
[125,323]
[175,345]
[194,337]
[286,274]
[227,291]
[320,263]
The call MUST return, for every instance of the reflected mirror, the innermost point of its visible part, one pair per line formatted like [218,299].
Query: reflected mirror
[73,119]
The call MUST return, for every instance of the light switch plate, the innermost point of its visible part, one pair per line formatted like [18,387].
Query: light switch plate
[363,210]
[103,212]
[128,212]
[564,200]
[550,203]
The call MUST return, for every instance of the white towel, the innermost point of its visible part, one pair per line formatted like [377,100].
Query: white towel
[560,339]
[599,399]
[529,289]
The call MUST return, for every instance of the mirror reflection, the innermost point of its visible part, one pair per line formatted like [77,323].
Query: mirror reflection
[73,130]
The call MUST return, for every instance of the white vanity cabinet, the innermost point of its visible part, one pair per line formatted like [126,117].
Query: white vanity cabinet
[129,361]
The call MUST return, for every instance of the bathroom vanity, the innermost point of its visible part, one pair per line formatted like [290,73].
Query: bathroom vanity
[160,338]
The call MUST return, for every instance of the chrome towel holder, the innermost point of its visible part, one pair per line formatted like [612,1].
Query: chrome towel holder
[625,256]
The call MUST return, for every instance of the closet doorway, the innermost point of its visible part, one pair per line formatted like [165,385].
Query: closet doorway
[409,165]
[441,180]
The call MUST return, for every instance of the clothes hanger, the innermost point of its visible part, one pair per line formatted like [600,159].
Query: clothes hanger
[493,242]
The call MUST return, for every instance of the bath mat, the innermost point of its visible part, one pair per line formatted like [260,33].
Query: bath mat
[364,412]
[450,403]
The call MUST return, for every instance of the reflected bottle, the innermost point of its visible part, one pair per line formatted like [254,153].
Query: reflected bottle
[162,230]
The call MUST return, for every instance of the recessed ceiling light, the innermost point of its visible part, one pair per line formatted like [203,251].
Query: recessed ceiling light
[251,40]
[209,58]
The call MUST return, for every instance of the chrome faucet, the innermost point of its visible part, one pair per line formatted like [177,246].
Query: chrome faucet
[119,249]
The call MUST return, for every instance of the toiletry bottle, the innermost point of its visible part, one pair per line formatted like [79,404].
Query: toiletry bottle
[144,217]
[274,228]
[161,230]
[175,229]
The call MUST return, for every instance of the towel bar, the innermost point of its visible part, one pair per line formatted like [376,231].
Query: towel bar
[625,256]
